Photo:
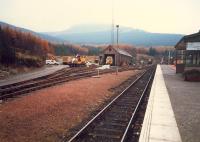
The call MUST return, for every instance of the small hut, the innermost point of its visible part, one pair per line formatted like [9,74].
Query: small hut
[116,56]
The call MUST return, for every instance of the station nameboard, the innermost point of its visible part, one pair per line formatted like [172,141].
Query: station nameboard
[193,46]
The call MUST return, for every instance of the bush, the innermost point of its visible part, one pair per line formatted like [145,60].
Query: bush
[192,75]
[7,55]
[29,61]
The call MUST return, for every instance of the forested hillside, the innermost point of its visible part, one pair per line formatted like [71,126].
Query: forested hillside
[69,49]
[22,48]
[95,50]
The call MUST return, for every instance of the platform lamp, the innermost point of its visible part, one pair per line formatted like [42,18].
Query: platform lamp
[117,26]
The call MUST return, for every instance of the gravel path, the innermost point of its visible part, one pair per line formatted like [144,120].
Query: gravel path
[45,115]
[185,99]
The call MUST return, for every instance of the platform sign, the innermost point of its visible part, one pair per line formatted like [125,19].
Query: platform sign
[193,46]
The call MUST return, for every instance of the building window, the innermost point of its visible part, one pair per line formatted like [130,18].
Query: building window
[192,58]
[180,56]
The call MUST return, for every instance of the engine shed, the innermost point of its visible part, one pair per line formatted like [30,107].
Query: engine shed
[188,53]
[118,56]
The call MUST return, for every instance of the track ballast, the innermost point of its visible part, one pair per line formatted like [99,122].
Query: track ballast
[114,122]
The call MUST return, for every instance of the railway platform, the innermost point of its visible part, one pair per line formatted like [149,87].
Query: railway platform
[159,123]
[185,98]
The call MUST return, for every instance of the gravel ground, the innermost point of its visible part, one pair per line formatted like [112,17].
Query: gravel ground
[45,115]
[185,98]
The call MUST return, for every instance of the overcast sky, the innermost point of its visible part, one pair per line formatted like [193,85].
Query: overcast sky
[163,16]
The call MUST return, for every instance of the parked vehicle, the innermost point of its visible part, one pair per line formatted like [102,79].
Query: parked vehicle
[52,62]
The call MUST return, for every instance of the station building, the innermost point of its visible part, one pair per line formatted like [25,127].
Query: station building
[117,56]
[188,53]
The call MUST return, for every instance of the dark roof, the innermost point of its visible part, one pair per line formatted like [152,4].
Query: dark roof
[189,38]
[120,51]
[123,52]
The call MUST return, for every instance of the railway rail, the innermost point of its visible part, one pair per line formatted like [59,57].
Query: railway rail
[114,122]
[64,75]
[23,87]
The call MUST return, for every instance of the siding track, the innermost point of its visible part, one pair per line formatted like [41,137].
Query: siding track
[61,76]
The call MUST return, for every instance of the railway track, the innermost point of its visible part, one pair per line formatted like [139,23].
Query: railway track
[59,73]
[64,75]
[115,121]
[11,90]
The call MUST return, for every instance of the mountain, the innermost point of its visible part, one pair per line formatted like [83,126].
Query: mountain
[100,34]
[41,35]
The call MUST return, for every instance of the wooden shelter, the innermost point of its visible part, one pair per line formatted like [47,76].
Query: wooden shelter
[188,53]
[119,56]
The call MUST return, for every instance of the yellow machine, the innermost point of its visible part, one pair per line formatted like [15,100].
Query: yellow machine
[149,61]
[77,61]
[109,60]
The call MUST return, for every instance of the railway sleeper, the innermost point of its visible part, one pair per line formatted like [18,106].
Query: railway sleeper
[120,111]
[128,105]
[100,139]
[111,123]
[129,97]
[120,116]
[129,102]
[123,107]
[123,111]
[107,131]
[104,136]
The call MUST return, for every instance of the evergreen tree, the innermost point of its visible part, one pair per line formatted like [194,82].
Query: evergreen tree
[152,51]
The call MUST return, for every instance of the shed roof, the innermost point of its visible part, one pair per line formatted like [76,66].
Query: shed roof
[188,38]
[123,52]
[120,51]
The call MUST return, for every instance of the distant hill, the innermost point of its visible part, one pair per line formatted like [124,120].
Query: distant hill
[41,35]
[100,34]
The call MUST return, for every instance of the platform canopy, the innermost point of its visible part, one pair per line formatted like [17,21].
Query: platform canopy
[189,42]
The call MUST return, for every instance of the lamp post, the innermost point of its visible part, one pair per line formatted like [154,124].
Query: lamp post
[169,56]
[117,26]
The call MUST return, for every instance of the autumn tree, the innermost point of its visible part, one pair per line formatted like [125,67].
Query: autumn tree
[13,41]
[7,55]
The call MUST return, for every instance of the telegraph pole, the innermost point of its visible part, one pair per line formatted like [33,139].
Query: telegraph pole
[117,26]
[112,25]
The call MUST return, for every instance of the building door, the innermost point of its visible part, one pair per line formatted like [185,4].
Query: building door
[109,59]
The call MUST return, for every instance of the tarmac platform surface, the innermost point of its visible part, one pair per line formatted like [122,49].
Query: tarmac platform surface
[185,100]
[173,110]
